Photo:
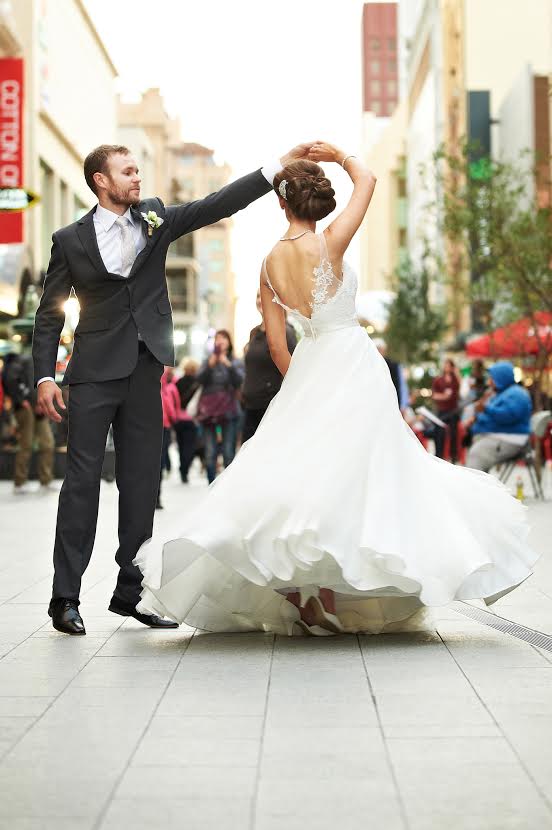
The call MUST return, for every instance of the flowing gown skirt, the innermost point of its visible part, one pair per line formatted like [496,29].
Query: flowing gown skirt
[334,490]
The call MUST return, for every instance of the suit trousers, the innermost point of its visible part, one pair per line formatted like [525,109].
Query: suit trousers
[133,406]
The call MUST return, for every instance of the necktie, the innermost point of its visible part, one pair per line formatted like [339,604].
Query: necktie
[128,247]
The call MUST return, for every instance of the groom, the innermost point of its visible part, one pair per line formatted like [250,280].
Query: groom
[114,259]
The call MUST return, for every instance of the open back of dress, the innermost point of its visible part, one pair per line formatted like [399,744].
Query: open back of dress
[318,299]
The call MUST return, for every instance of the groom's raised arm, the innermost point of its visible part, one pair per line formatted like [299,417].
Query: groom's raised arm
[220,205]
[231,198]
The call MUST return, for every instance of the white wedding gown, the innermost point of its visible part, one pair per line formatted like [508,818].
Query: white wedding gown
[334,490]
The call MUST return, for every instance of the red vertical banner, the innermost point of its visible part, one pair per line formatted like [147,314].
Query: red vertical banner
[11,142]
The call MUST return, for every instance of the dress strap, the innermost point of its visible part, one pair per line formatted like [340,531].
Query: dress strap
[323,247]
[275,298]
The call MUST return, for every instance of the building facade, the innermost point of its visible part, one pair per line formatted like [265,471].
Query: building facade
[204,257]
[69,107]
[467,70]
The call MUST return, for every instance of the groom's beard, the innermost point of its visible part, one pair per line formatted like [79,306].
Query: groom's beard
[126,198]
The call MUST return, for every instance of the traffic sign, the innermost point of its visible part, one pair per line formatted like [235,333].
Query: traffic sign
[16,199]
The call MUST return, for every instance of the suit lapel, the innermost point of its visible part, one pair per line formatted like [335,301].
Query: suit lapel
[87,235]
[150,240]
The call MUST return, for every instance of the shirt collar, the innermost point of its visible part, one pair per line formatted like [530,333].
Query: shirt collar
[106,218]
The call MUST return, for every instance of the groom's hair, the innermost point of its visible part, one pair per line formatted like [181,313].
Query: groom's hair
[96,162]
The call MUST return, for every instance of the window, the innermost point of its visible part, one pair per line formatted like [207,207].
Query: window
[64,203]
[376,107]
[184,246]
[392,88]
[79,209]
[375,67]
[375,87]
[392,67]
[391,44]
[48,220]
[181,286]
[375,43]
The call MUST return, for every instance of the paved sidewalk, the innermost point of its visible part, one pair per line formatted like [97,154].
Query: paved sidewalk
[133,728]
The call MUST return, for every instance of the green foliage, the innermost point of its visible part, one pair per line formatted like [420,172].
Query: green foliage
[503,237]
[414,327]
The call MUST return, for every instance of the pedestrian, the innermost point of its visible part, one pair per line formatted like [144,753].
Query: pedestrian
[171,403]
[220,379]
[185,427]
[445,393]
[18,385]
[262,378]
[501,426]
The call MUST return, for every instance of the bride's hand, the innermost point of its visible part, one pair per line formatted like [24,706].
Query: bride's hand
[322,151]
[301,151]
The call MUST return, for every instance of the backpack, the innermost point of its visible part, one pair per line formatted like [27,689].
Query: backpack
[14,379]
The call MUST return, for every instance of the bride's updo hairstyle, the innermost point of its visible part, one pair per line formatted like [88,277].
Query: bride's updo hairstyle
[307,191]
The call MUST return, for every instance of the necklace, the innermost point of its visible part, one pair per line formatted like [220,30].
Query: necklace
[298,236]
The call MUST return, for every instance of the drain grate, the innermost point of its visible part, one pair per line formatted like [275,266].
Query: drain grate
[529,635]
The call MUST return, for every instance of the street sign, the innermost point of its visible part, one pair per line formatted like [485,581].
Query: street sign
[11,142]
[15,199]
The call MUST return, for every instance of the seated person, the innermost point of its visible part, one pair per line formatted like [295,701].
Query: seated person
[500,426]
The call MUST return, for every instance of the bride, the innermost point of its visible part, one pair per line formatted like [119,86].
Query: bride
[332,517]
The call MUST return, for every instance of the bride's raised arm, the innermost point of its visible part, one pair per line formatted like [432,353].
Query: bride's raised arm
[340,232]
[274,318]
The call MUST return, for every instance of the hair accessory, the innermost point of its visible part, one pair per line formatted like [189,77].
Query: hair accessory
[282,189]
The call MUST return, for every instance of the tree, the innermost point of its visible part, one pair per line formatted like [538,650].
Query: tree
[414,327]
[503,239]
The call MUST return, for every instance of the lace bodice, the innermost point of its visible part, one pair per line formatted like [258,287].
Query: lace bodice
[333,299]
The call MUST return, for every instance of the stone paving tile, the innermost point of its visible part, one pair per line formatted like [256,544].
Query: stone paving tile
[191,782]
[25,707]
[62,822]
[337,801]
[178,814]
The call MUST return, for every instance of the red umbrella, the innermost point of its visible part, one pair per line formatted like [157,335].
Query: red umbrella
[515,339]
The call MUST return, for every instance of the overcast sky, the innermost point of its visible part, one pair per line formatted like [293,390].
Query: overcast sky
[248,78]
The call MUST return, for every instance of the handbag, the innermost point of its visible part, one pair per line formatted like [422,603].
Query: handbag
[192,406]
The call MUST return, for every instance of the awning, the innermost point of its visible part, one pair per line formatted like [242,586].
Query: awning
[513,340]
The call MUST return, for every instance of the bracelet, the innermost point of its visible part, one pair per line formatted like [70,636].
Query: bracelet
[351,156]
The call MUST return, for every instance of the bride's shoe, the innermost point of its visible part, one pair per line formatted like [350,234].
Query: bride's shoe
[319,622]
[311,602]
[323,618]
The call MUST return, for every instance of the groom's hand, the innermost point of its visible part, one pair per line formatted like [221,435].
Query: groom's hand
[48,394]
[301,151]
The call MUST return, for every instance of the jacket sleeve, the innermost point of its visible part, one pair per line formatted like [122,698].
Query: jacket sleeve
[50,315]
[204,374]
[507,409]
[220,205]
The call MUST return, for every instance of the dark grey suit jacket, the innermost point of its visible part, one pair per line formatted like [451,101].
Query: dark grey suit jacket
[115,308]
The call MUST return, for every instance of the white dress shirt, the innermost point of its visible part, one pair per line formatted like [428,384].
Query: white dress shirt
[110,242]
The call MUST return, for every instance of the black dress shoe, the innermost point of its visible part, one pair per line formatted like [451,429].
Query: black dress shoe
[65,616]
[125,609]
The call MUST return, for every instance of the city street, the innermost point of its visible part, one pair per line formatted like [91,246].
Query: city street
[130,727]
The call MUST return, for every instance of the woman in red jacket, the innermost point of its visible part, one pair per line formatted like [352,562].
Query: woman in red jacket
[170,400]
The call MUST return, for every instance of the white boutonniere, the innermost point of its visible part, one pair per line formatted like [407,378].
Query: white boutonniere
[153,220]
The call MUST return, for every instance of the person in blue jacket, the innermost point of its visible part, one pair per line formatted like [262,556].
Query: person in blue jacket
[502,424]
